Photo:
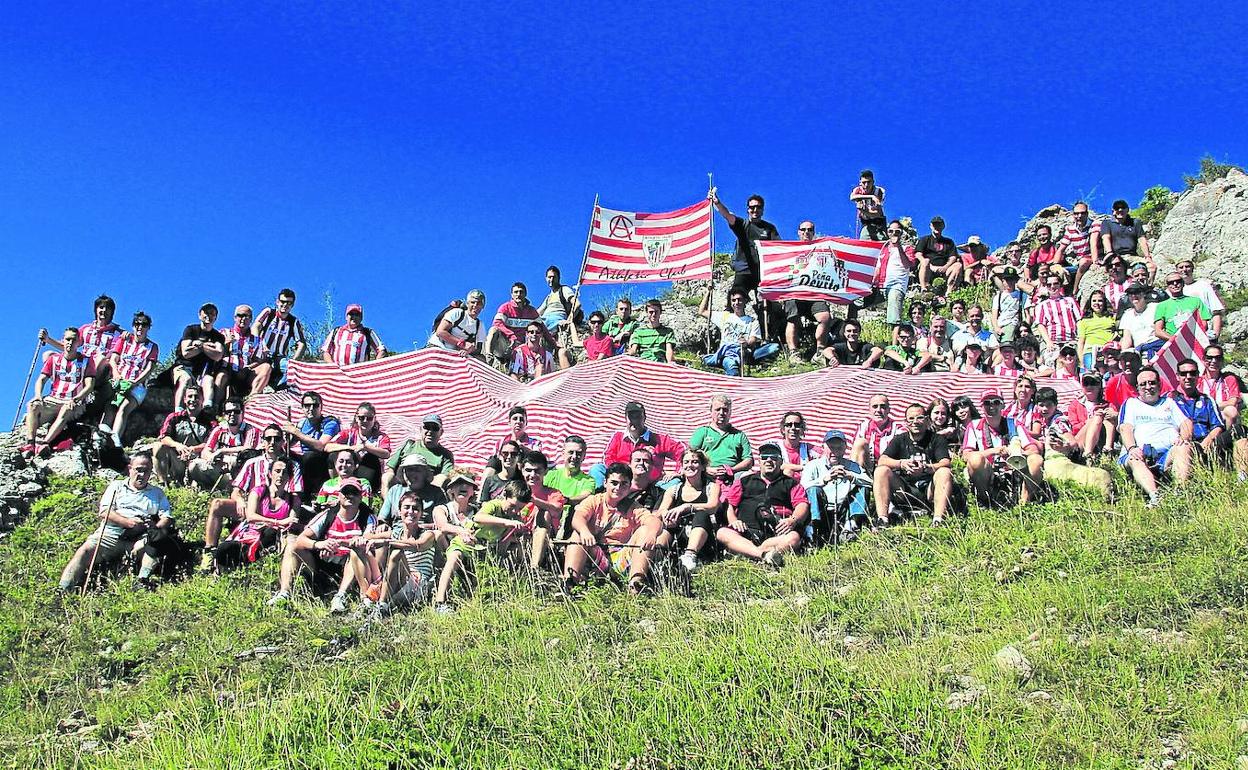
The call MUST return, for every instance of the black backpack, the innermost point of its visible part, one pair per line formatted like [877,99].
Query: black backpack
[578,317]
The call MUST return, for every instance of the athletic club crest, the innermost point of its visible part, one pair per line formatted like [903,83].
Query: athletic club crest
[820,267]
[656,248]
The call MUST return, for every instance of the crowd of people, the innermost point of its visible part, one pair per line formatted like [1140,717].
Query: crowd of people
[396,525]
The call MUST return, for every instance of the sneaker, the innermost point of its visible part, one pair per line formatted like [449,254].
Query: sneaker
[442,608]
[795,358]
[773,559]
[1154,500]
[818,358]
[278,598]
[206,561]
[339,604]
[689,561]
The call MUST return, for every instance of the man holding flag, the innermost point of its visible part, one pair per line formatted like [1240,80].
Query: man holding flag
[745,264]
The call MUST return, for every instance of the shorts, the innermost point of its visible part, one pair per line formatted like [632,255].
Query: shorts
[240,380]
[1154,457]
[135,391]
[912,494]
[896,298]
[608,560]
[795,309]
[52,406]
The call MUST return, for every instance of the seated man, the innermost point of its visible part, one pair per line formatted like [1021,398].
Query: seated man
[727,447]
[569,480]
[938,258]
[510,324]
[197,356]
[620,327]
[224,450]
[245,367]
[439,459]
[903,357]
[612,533]
[1121,386]
[334,544]
[623,442]
[136,519]
[1210,434]
[644,491]
[546,508]
[874,433]
[767,512]
[182,437]
[282,335]
[975,332]
[1194,287]
[407,556]
[1171,314]
[1156,436]
[976,260]
[816,311]
[914,471]
[988,444]
[652,341]
[353,342]
[71,377]
[253,473]
[740,338]
[1063,451]
[850,349]
[95,338]
[309,438]
[531,360]
[936,350]
[459,328]
[836,489]
[130,362]
[1056,319]
[414,476]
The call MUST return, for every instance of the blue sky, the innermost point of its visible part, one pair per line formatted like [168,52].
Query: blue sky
[400,154]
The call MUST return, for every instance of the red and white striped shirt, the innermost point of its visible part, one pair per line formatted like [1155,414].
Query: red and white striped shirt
[255,473]
[1059,316]
[1221,390]
[95,341]
[351,346]
[242,348]
[277,334]
[1005,371]
[877,436]
[1078,241]
[222,437]
[353,436]
[1115,292]
[980,435]
[67,374]
[130,356]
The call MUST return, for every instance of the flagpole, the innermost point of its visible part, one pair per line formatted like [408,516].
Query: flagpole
[580,275]
[710,185]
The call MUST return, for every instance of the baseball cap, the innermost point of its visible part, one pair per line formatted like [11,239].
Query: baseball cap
[354,308]
[1138,288]
[990,393]
[432,419]
[833,435]
[1007,344]
[414,460]
[1009,273]
[1091,378]
[770,449]
[460,476]
[350,482]
[633,406]
[1068,346]
[1111,346]
[974,344]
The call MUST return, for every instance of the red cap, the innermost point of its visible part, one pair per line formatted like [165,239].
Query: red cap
[990,393]
[353,308]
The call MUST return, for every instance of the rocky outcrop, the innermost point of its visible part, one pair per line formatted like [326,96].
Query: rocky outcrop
[1210,223]
[21,483]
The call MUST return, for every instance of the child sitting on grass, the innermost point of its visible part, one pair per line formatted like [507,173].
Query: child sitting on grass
[407,563]
[496,522]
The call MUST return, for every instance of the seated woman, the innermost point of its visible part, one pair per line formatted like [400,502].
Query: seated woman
[1067,365]
[973,359]
[367,440]
[597,345]
[498,522]
[406,561]
[963,411]
[1096,329]
[508,460]
[696,492]
[1092,418]
[333,545]
[941,421]
[272,511]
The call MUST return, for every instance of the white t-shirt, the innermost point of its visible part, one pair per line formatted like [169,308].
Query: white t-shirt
[1203,289]
[1156,425]
[897,269]
[734,329]
[1139,324]
[463,326]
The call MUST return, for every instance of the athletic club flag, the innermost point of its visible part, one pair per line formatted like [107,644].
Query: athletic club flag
[634,247]
[831,269]
[1189,341]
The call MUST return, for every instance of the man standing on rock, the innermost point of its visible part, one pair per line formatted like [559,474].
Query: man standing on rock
[1193,287]
[282,335]
[745,261]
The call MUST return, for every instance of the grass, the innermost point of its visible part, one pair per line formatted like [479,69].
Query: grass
[1134,623]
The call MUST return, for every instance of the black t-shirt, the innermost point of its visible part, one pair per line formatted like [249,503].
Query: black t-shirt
[937,250]
[932,446]
[746,258]
[1123,239]
[847,357]
[648,498]
[200,364]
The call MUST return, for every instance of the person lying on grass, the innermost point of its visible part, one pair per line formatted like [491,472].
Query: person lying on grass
[405,557]
[333,544]
[497,522]
[612,533]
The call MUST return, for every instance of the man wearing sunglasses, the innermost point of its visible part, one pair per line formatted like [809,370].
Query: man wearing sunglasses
[197,357]
[1177,308]
[745,260]
[281,333]
[225,450]
[990,440]
[893,273]
[245,368]
[1156,436]
[1123,235]
[183,435]
[309,437]
[1223,387]
[429,445]
[938,257]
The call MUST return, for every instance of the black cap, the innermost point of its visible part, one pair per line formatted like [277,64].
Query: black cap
[633,406]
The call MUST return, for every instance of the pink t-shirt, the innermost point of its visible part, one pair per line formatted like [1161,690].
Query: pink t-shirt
[598,348]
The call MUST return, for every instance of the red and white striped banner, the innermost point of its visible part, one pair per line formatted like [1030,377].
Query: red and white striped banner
[588,399]
[831,269]
[635,247]
[1189,341]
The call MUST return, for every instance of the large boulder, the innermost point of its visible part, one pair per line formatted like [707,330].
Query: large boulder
[1210,223]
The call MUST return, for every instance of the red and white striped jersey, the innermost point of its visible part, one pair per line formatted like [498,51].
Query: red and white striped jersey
[67,374]
[130,356]
[877,436]
[1221,390]
[352,346]
[222,437]
[1059,316]
[95,341]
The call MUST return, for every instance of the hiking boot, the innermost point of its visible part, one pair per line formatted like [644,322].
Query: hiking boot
[1154,501]
[338,604]
[442,608]
[773,559]
[795,358]
[689,560]
[280,597]
[206,561]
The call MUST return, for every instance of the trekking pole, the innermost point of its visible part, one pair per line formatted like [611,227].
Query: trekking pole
[21,401]
[99,538]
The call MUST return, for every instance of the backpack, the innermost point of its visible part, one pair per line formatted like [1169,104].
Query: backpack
[578,317]
[455,305]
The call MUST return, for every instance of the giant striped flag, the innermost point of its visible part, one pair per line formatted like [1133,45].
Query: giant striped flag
[831,269]
[588,399]
[1189,341]
[635,247]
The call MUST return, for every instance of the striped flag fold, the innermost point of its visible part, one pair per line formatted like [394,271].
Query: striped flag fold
[1189,341]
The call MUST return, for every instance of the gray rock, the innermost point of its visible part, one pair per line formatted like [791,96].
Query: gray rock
[1012,661]
[1210,222]
[1235,326]
[71,462]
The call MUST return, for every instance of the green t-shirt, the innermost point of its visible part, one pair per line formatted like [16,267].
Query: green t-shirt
[1176,311]
[614,327]
[723,448]
[570,486]
[652,343]
[441,459]
[329,492]
[1097,330]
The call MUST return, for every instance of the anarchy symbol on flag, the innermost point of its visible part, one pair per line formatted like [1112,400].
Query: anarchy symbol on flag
[656,247]
[621,227]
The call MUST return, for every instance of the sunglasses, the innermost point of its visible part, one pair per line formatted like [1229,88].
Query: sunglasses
[272,438]
[1176,282]
[352,491]
[310,404]
[770,458]
[1218,357]
[1188,374]
[994,402]
[793,425]
[231,412]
